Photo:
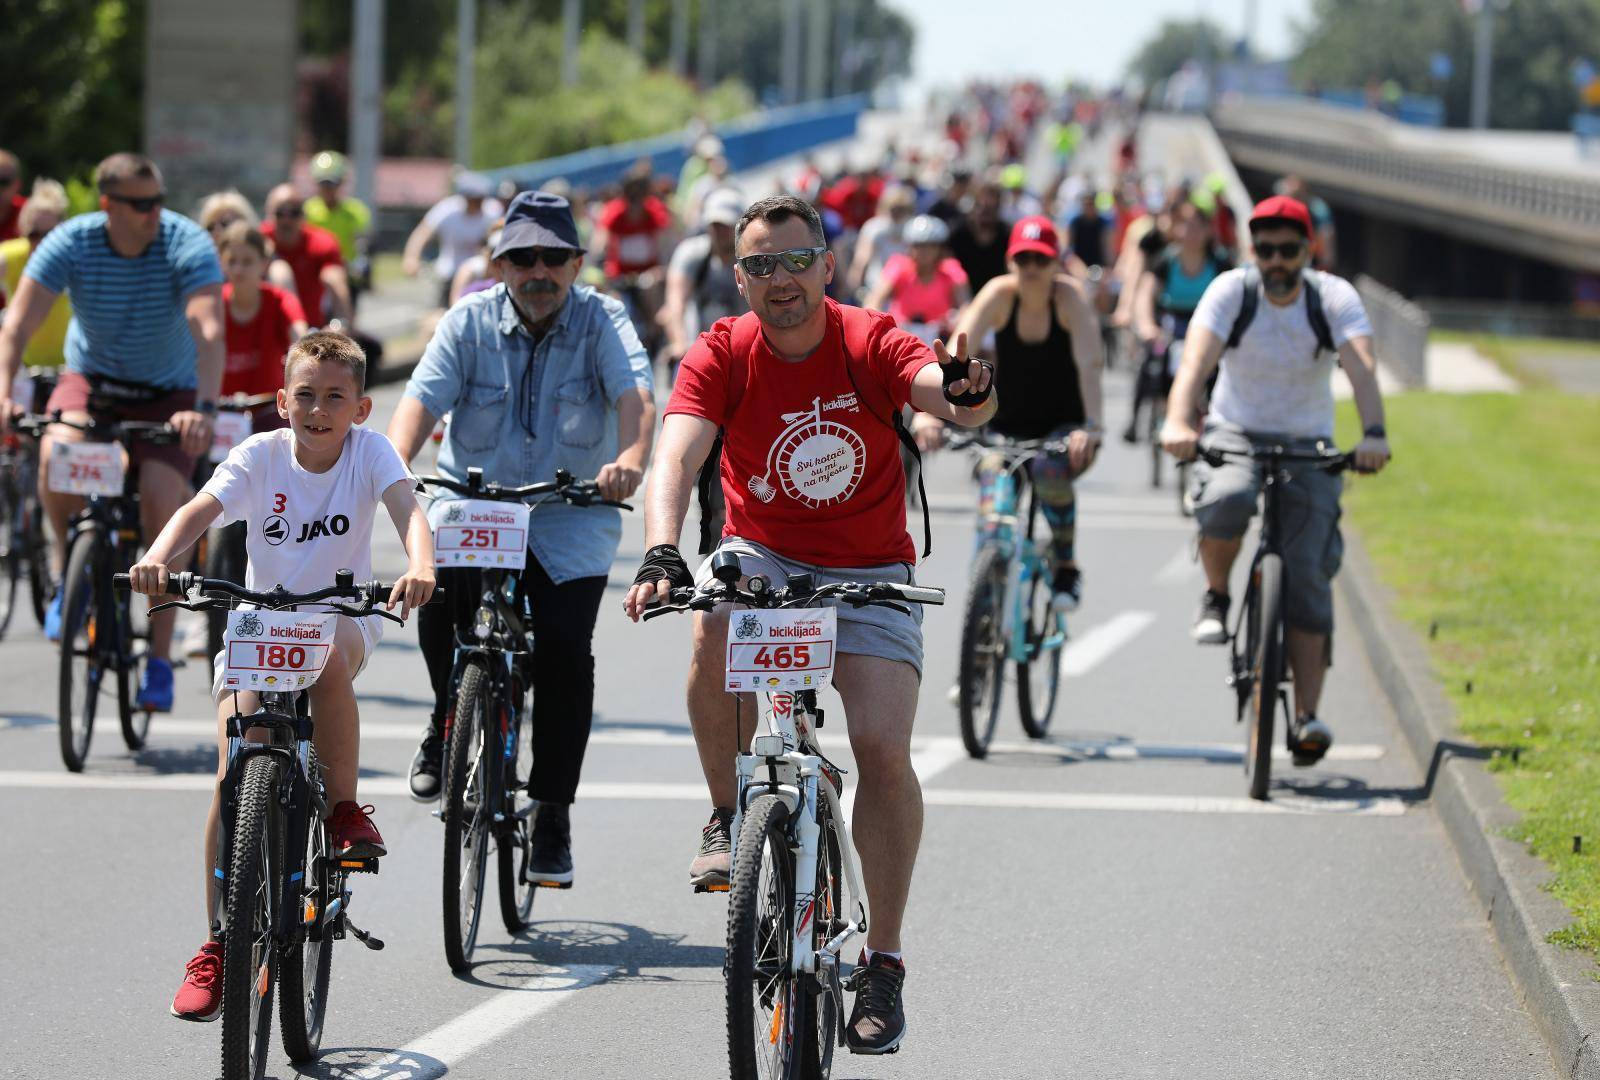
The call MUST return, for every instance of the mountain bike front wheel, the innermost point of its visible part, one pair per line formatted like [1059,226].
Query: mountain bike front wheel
[467,812]
[249,962]
[1266,661]
[1039,676]
[767,1007]
[81,652]
[981,669]
[11,547]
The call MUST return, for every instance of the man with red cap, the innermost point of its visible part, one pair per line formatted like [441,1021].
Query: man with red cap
[1047,350]
[1276,328]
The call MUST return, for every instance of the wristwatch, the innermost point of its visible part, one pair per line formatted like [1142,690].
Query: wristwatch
[1090,427]
[206,408]
[1375,431]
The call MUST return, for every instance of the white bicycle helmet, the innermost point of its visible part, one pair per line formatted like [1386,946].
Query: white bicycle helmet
[926,229]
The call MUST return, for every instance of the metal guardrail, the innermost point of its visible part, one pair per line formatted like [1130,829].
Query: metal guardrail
[1399,331]
[747,142]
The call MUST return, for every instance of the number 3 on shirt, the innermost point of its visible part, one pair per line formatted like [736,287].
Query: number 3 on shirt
[279,501]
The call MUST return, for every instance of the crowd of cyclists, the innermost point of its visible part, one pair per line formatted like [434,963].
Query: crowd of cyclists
[566,316]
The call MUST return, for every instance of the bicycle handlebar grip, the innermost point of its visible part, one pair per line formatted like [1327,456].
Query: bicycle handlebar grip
[921,594]
[177,584]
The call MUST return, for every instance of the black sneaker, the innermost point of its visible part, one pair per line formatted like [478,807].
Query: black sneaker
[1309,740]
[1211,625]
[426,767]
[1066,589]
[878,1020]
[709,870]
[550,860]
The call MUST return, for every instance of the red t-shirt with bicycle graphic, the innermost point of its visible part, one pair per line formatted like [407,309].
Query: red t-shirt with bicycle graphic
[809,468]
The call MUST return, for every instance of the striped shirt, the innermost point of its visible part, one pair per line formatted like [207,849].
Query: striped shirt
[128,317]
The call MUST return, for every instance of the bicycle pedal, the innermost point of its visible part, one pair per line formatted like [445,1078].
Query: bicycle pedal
[357,866]
[714,887]
[551,884]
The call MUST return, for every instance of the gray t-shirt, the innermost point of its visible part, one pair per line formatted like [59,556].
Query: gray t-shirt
[713,294]
[1276,381]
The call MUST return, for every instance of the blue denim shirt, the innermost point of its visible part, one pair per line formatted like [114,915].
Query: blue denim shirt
[519,426]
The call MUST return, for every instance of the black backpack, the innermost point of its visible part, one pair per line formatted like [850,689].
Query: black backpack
[1252,300]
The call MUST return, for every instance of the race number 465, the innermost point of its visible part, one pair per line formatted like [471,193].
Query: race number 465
[781,650]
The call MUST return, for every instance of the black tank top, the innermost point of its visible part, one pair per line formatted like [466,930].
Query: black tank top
[1036,382]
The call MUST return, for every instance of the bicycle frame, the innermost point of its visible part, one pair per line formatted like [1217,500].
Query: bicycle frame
[1025,561]
[500,638]
[784,760]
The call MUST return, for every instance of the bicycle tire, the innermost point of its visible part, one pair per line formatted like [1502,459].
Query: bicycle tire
[466,805]
[40,583]
[135,722]
[1039,677]
[10,548]
[303,1001]
[981,669]
[249,959]
[75,718]
[1267,663]
[511,846]
[760,931]
[225,559]
[821,1034]
[1158,414]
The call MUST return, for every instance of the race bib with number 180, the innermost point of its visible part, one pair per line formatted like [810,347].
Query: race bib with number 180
[275,650]
[480,532]
[781,650]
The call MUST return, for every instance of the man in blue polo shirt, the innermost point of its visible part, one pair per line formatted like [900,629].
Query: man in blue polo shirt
[145,343]
[537,374]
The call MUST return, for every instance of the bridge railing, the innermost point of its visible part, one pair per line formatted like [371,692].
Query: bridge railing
[1399,331]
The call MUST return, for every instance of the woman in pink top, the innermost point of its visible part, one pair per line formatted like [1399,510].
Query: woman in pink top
[924,289]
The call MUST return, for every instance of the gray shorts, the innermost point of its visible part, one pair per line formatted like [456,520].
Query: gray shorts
[1225,499]
[866,631]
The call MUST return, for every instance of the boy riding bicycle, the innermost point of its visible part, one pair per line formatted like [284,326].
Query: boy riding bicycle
[308,495]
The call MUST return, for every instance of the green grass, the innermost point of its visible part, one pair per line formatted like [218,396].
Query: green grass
[1487,524]
[1507,352]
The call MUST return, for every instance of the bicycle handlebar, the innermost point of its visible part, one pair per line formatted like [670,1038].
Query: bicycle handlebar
[975,438]
[157,433]
[1335,462]
[367,593]
[574,491]
[760,594]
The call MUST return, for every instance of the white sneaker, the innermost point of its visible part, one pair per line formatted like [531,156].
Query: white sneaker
[197,637]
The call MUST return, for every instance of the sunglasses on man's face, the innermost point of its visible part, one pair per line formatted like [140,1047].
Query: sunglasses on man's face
[142,204]
[795,260]
[1289,250]
[530,257]
[38,235]
[289,212]
[1031,258]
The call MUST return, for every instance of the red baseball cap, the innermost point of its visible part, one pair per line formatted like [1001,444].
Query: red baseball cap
[1036,233]
[1283,208]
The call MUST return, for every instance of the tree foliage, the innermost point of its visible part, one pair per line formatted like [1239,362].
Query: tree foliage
[74,79]
[1348,43]
[1176,42]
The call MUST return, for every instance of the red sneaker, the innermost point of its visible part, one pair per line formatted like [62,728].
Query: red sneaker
[200,996]
[354,834]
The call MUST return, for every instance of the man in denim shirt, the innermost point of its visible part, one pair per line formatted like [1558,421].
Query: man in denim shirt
[537,374]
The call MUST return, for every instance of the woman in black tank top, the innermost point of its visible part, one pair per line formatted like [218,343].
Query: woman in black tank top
[1043,386]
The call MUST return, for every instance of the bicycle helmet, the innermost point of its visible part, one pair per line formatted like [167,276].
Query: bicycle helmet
[926,229]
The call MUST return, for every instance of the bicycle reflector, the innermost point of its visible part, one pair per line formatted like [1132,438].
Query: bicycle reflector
[769,746]
[483,623]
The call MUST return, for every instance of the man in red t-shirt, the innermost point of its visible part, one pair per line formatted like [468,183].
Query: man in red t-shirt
[312,253]
[633,229]
[813,481]
[262,322]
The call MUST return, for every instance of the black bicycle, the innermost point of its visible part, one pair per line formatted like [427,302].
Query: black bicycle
[487,762]
[24,550]
[1258,663]
[98,632]
[286,896]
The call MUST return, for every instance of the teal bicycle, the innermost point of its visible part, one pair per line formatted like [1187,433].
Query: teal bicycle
[1009,619]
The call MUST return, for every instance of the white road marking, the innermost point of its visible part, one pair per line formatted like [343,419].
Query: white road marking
[1180,568]
[1083,654]
[937,756]
[397,787]
[1134,751]
[439,1051]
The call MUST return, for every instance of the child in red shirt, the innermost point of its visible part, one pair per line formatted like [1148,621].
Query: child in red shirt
[263,321]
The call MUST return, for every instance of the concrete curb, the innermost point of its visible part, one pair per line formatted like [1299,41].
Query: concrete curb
[1558,987]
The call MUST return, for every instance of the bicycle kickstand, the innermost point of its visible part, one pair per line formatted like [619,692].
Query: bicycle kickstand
[364,936]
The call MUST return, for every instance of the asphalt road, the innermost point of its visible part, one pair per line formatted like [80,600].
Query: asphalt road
[1103,904]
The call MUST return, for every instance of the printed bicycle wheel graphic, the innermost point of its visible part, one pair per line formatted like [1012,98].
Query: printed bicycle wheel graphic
[818,462]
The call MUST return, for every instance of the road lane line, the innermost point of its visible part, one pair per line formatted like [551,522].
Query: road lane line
[397,787]
[1083,654]
[1178,569]
[1135,751]
[440,1050]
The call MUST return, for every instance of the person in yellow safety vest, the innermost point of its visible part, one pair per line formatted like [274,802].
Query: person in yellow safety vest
[347,218]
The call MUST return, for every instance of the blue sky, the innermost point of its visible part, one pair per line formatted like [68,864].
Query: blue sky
[1089,39]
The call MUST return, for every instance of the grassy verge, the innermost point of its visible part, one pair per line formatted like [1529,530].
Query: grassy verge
[1508,352]
[1487,526]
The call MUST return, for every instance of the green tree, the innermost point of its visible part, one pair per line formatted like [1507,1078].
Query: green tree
[1175,43]
[1347,43]
[74,83]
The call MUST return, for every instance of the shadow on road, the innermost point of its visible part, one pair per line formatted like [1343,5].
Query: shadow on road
[629,951]
[1350,787]
[350,1062]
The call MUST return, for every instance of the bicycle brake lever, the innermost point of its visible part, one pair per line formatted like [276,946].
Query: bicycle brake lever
[187,605]
[363,612]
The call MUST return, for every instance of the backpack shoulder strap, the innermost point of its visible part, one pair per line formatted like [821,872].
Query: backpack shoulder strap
[1247,309]
[743,340]
[1317,317]
[857,328]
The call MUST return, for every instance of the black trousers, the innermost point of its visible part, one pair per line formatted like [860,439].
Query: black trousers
[563,665]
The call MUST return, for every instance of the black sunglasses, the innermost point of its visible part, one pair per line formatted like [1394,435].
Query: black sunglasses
[1031,258]
[289,212]
[142,204]
[530,257]
[1289,249]
[37,235]
[795,260]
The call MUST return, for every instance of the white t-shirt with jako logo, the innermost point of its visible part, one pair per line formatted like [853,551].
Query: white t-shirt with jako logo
[303,527]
